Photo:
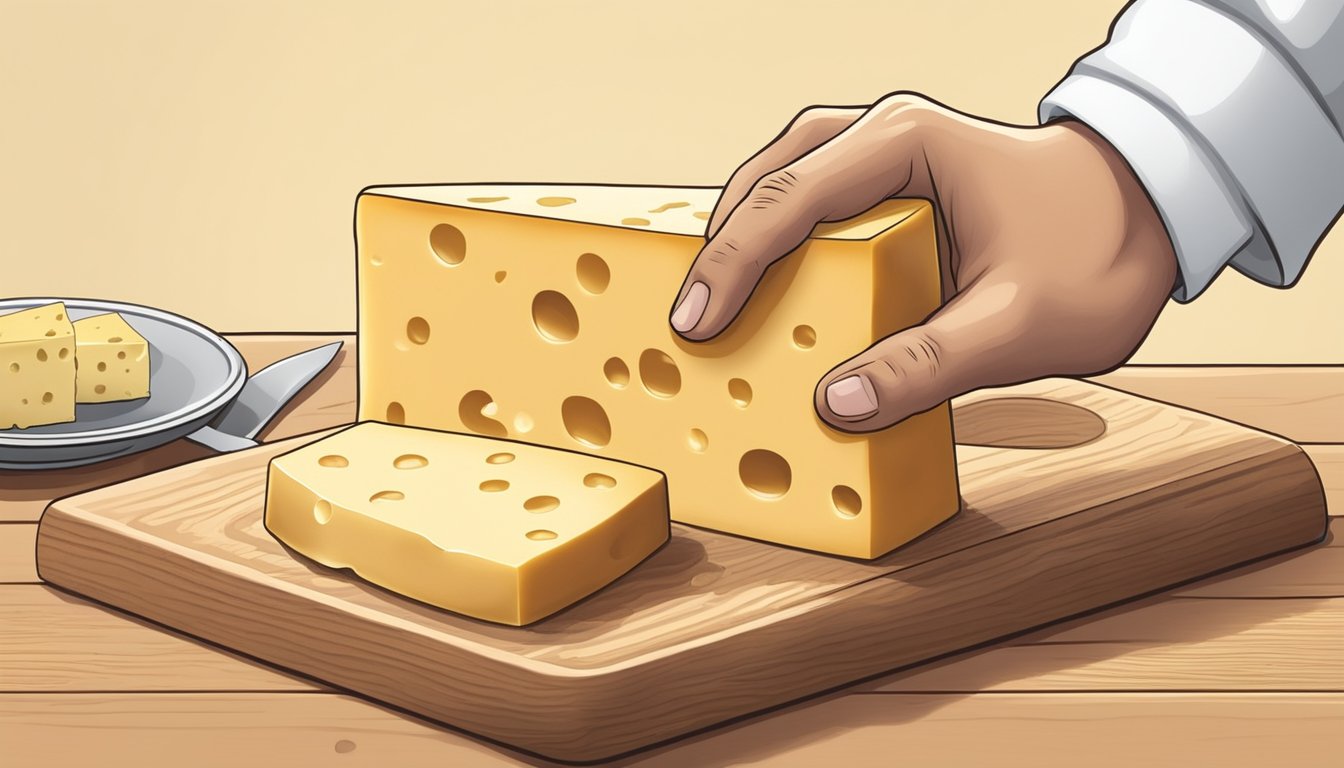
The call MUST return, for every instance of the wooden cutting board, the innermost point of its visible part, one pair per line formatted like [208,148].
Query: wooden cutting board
[1075,496]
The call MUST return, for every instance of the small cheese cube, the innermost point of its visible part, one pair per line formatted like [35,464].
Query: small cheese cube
[37,367]
[540,313]
[502,531]
[113,360]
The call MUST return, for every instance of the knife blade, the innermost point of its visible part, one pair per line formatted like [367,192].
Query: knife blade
[263,396]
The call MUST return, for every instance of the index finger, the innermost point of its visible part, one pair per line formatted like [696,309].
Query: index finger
[853,171]
[808,130]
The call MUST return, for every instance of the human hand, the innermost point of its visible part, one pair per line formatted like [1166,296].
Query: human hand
[1053,259]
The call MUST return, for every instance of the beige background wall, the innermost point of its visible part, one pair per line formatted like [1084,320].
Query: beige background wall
[204,156]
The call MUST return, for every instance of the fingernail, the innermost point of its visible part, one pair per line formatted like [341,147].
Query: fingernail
[851,396]
[691,308]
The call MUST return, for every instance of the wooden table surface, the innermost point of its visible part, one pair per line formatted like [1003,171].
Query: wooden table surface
[1246,668]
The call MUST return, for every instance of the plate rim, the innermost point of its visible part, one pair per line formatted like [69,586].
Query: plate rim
[213,401]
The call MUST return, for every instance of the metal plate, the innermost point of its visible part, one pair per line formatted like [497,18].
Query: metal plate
[193,373]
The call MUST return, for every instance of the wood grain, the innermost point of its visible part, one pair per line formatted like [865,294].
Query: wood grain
[720,626]
[1174,644]
[1315,572]
[17,565]
[1008,730]
[52,630]
[53,641]
[1329,461]
[327,401]
[1028,730]
[1301,403]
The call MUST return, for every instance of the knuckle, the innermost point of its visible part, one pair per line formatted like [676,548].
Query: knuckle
[815,125]
[913,359]
[728,259]
[817,117]
[920,355]
[777,189]
[906,108]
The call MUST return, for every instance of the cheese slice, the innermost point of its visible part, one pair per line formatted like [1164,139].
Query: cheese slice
[37,367]
[113,360]
[540,313]
[502,531]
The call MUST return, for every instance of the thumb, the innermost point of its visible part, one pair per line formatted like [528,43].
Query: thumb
[976,340]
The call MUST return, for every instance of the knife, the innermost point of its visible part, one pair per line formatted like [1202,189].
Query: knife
[263,396]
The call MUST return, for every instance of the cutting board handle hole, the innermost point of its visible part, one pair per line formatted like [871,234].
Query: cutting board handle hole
[1025,422]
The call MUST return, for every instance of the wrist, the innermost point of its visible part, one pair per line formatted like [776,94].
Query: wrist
[1145,232]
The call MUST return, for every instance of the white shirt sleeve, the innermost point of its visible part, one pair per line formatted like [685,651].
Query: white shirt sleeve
[1229,112]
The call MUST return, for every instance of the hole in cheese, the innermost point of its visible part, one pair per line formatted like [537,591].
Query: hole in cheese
[594,274]
[469,410]
[541,535]
[487,199]
[765,473]
[698,440]
[659,373]
[322,511]
[617,372]
[53,333]
[847,502]
[376,261]
[121,355]
[668,206]
[64,353]
[102,367]
[396,413]
[701,215]
[47,397]
[333,460]
[635,221]
[499,458]
[740,391]
[410,461]
[388,496]
[523,422]
[494,486]
[13,367]
[555,202]
[112,339]
[554,317]
[41,355]
[500,275]
[540,504]
[804,337]
[448,244]
[586,421]
[417,330]
[599,480]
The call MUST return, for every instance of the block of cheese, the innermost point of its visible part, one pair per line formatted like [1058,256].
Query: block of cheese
[113,360]
[502,531]
[37,367]
[540,313]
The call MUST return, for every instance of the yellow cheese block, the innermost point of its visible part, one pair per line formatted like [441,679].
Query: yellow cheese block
[501,531]
[113,360]
[540,313]
[37,367]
